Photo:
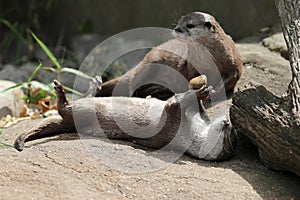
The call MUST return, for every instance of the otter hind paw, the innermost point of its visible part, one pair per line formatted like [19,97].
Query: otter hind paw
[58,86]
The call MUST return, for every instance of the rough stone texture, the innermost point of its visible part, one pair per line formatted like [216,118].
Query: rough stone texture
[11,102]
[62,168]
[264,67]
[276,43]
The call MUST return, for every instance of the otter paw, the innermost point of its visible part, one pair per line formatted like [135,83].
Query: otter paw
[204,92]
[58,86]
[97,80]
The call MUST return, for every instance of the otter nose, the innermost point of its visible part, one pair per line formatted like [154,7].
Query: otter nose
[178,30]
[226,122]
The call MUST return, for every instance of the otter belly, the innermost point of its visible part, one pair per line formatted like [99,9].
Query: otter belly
[119,117]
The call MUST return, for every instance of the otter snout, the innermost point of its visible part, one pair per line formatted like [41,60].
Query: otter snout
[178,30]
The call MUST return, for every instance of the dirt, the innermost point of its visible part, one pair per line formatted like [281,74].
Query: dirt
[63,168]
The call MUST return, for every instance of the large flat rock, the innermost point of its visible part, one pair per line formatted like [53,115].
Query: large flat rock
[62,168]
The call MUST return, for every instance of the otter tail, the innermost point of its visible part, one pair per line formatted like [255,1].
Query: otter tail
[50,126]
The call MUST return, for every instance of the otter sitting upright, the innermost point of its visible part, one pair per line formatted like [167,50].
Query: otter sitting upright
[176,120]
[200,47]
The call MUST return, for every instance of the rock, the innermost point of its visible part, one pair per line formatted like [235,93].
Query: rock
[22,73]
[16,74]
[50,113]
[63,168]
[277,43]
[264,67]
[11,102]
[98,55]
[83,44]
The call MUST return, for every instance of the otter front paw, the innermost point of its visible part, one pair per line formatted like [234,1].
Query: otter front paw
[204,92]
[95,85]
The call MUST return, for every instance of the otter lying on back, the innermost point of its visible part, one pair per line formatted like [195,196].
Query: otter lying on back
[200,47]
[178,120]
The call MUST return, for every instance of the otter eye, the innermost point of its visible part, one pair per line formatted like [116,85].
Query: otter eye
[208,25]
[190,26]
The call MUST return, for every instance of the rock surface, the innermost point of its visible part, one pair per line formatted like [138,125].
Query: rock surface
[63,168]
[11,102]
[276,43]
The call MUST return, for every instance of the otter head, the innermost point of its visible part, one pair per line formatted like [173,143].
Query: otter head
[220,140]
[196,26]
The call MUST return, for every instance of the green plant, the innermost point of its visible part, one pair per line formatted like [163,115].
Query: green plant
[15,19]
[15,38]
[46,90]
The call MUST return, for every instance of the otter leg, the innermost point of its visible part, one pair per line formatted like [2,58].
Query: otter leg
[63,107]
[50,126]
[203,113]
[62,101]
[186,99]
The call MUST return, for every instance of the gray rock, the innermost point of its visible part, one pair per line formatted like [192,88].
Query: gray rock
[107,59]
[16,74]
[83,44]
[276,43]
[63,168]
[22,73]
[265,67]
[11,102]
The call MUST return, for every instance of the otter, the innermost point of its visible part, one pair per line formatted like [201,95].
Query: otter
[177,118]
[200,46]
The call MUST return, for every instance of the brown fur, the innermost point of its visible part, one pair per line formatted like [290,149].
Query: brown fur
[175,53]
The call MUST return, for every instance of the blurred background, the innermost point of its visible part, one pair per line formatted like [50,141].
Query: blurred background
[57,22]
[71,28]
